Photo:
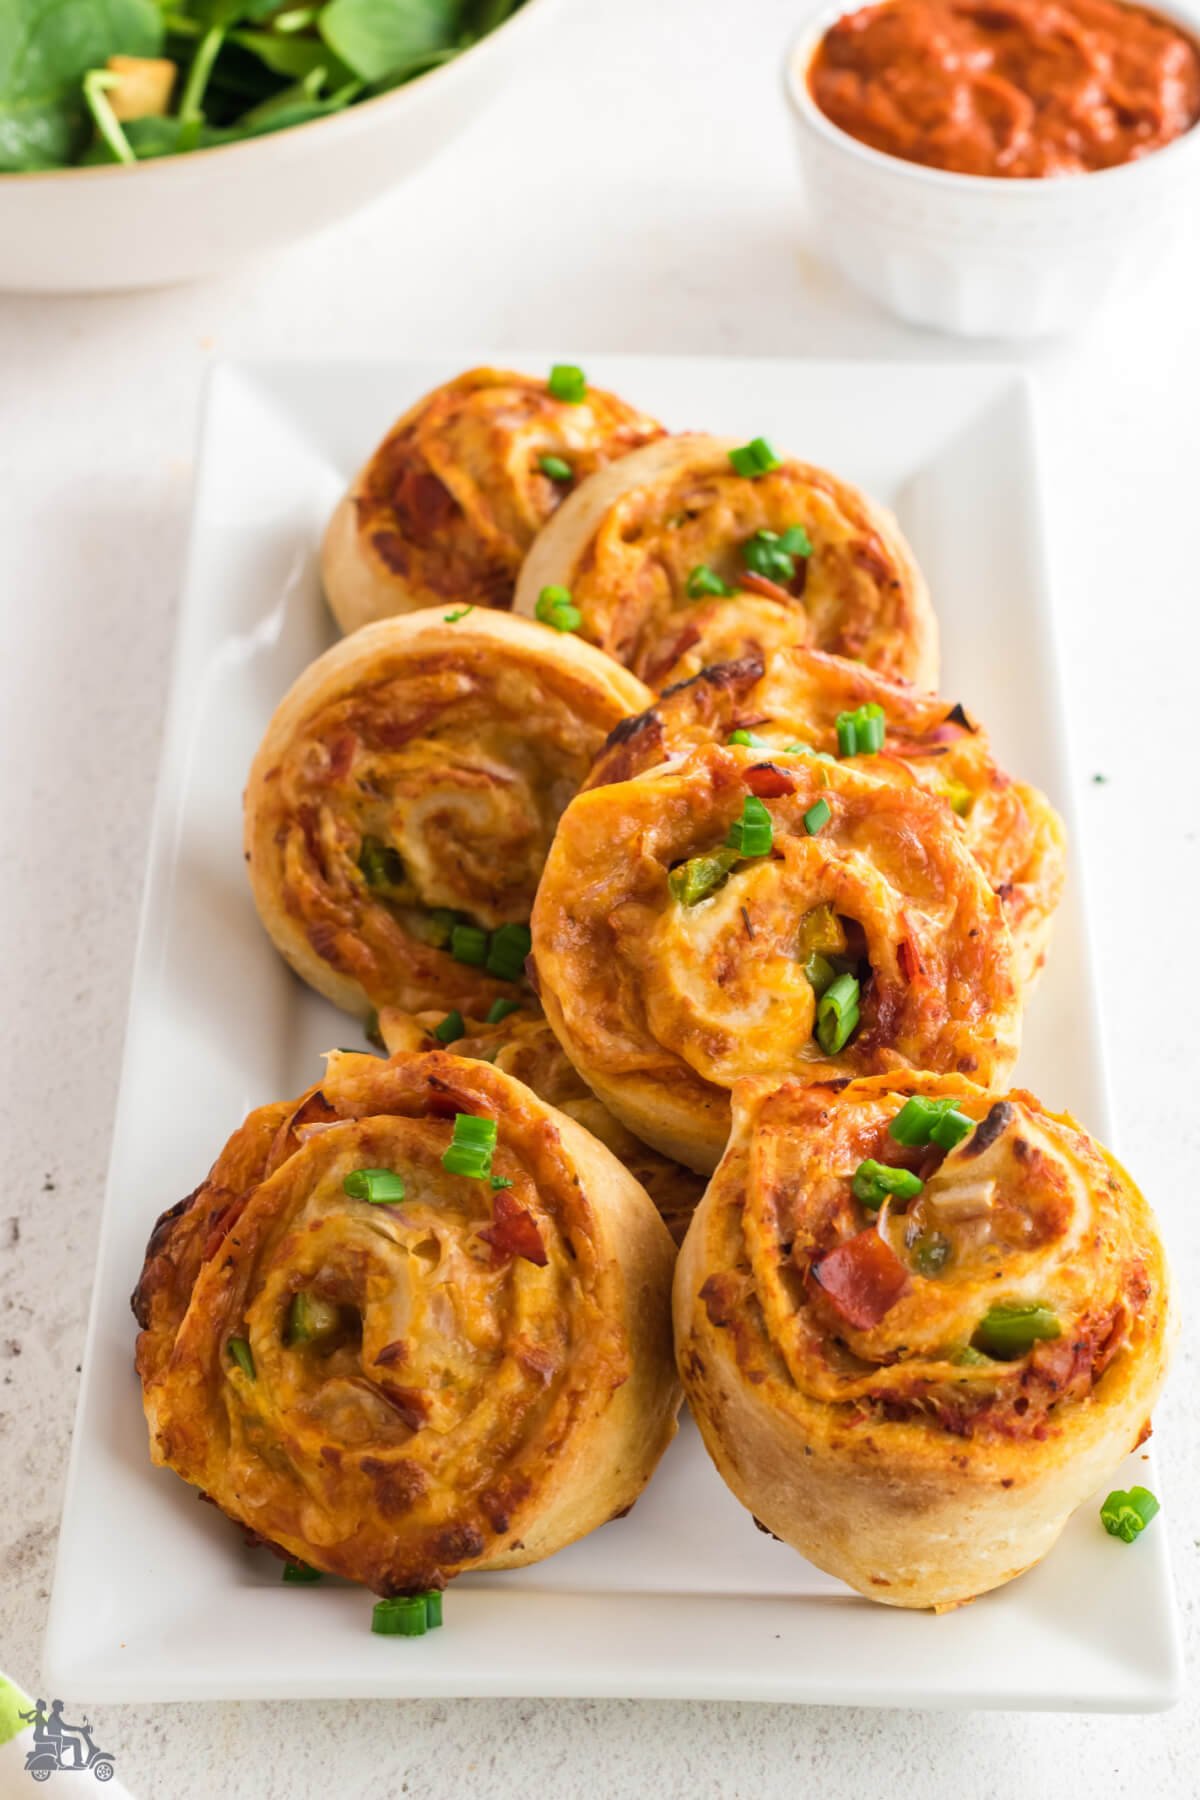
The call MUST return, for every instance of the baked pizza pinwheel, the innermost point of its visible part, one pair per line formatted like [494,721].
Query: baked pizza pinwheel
[737,913]
[918,1324]
[523,1045]
[402,801]
[644,548]
[413,1323]
[838,707]
[452,499]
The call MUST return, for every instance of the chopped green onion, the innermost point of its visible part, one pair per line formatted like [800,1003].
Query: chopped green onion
[434,928]
[500,1009]
[754,458]
[379,1187]
[796,541]
[460,612]
[469,944]
[433,1608]
[697,879]
[555,468]
[507,951]
[861,733]
[752,834]
[379,864]
[1009,1331]
[311,1318]
[567,383]
[405,1616]
[820,972]
[554,608]
[451,1028]
[950,1129]
[1126,1515]
[966,1356]
[930,1252]
[837,1014]
[472,1147]
[958,797]
[501,1181]
[924,1121]
[773,556]
[300,1572]
[703,582]
[817,816]
[240,1352]
[874,1181]
[750,738]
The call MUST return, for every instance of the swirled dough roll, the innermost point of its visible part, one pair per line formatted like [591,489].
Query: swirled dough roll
[636,543]
[471,1375]
[917,1390]
[451,500]
[523,1045]
[857,935]
[794,694]
[402,801]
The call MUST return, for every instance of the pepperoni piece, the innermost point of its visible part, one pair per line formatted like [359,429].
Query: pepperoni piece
[862,1279]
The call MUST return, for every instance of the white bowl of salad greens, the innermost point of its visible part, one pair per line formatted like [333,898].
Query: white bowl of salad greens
[152,141]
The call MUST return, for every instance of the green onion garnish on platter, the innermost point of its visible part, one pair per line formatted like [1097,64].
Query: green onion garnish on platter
[500,1009]
[408,1615]
[240,1353]
[1125,1515]
[450,1029]
[555,468]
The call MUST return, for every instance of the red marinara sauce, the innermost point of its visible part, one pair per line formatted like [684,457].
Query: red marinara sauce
[1008,87]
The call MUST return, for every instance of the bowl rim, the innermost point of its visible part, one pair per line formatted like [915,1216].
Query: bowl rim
[803,46]
[355,118]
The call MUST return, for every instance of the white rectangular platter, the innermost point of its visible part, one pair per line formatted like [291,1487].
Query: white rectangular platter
[154,1597]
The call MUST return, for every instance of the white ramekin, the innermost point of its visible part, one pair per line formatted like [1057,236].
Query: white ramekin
[976,255]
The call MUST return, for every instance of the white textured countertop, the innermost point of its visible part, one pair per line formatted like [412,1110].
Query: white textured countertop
[634,193]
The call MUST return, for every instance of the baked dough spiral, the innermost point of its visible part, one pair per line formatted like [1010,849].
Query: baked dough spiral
[523,1045]
[639,543]
[469,1376]
[449,503]
[670,966]
[795,694]
[917,1394]
[400,806]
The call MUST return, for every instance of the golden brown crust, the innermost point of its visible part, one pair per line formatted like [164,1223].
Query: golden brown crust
[523,1045]
[416,770]
[449,503]
[492,1374]
[795,694]
[843,1413]
[662,1005]
[627,541]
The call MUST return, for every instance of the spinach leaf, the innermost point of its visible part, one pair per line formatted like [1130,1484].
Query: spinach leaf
[151,138]
[379,37]
[293,55]
[46,48]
